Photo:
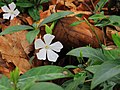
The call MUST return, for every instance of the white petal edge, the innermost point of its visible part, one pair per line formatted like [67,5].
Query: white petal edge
[16,12]
[57,46]
[6,16]
[39,44]
[5,9]
[41,55]
[12,6]
[52,56]
[12,16]
[48,38]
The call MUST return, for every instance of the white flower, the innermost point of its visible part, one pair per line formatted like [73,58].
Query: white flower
[47,49]
[10,12]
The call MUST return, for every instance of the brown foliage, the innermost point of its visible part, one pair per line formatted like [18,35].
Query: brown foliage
[76,36]
[14,48]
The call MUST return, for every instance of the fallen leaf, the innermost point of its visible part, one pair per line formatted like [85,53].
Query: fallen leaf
[76,36]
[77,70]
[14,48]
[112,30]
[29,20]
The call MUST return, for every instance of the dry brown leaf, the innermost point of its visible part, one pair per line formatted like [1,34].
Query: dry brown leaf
[14,48]
[13,52]
[45,14]
[76,36]
[29,20]
[77,70]
[25,45]
[112,30]
[5,71]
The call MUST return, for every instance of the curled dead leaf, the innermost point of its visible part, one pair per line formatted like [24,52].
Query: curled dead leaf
[76,36]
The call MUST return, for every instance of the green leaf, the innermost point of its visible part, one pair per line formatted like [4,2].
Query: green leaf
[70,66]
[52,26]
[30,36]
[116,39]
[1,4]
[24,4]
[74,84]
[97,16]
[45,86]
[55,16]
[103,22]
[108,86]
[114,19]
[14,75]
[79,15]
[5,84]
[112,54]
[106,71]
[16,28]
[100,5]
[34,13]
[48,29]
[40,7]
[44,1]
[92,68]
[43,73]
[88,52]
[76,23]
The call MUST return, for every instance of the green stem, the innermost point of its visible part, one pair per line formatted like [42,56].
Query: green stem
[93,31]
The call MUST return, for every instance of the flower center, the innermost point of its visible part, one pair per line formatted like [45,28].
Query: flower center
[11,12]
[47,47]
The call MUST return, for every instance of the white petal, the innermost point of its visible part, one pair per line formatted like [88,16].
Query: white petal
[12,6]
[6,16]
[48,38]
[39,44]
[5,9]
[51,55]
[57,46]
[41,54]
[16,12]
[12,16]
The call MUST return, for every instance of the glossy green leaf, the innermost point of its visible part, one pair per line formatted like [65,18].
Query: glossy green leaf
[55,16]
[24,4]
[16,28]
[5,84]
[30,36]
[45,86]
[34,13]
[43,73]
[74,84]
[106,71]
[88,52]
[93,68]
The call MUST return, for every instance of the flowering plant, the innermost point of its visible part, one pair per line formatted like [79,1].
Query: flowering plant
[48,48]
[10,12]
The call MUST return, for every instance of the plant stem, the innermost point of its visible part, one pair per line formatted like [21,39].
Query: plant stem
[93,32]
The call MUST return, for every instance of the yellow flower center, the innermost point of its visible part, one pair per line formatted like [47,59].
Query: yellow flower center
[11,12]
[47,47]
